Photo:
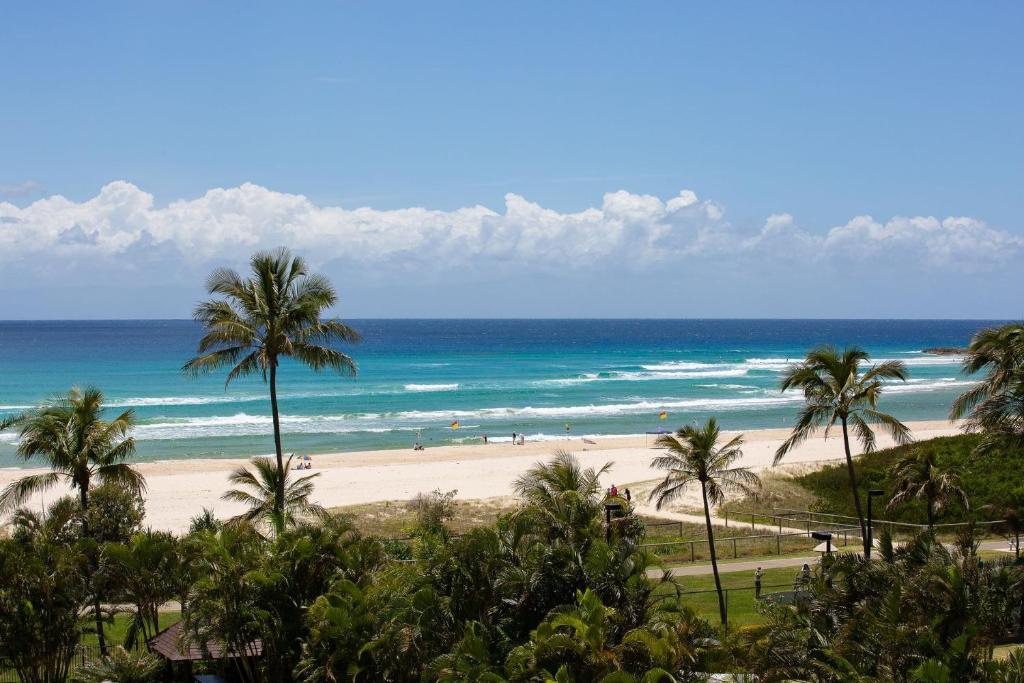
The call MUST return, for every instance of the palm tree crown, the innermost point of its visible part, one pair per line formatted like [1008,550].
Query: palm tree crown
[835,390]
[996,405]
[274,313]
[79,446]
[920,477]
[694,456]
[567,494]
[259,489]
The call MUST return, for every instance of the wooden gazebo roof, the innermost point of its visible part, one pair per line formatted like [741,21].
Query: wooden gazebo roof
[170,645]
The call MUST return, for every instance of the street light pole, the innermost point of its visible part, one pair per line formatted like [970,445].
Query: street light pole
[871,534]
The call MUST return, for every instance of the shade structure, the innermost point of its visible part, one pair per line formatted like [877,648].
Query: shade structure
[170,645]
[657,431]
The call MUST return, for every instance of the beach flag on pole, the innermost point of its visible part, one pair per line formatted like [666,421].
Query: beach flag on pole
[663,415]
[455,424]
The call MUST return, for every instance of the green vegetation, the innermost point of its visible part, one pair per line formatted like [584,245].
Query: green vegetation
[995,407]
[835,391]
[274,314]
[542,591]
[693,456]
[984,478]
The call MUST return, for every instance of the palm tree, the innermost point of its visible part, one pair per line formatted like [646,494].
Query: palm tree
[259,490]
[565,494]
[271,315]
[695,456]
[919,476]
[996,405]
[80,448]
[835,390]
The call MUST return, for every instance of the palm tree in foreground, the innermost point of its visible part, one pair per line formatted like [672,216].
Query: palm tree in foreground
[995,406]
[258,489]
[834,391]
[565,493]
[919,477]
[273,314]
[693,455]
[81,448]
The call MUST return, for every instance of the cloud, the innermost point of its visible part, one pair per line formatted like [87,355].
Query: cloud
[626,230]
[22,189]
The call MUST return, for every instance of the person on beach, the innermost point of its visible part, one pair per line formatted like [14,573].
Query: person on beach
[629,496]
[522,439]
[613,491]
[485,439]
[514,442]
[758,575]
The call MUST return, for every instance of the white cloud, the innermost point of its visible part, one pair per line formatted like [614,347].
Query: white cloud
[627,228]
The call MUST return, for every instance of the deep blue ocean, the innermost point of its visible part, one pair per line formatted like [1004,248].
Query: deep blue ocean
[600,377]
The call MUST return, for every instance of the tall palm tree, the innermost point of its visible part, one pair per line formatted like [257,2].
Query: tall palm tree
[275,313]
[694,456]
[258,489]
[835,390]
[996,405]
[918,476]
[81,448]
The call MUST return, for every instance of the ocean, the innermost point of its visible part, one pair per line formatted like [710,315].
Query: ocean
[495,377]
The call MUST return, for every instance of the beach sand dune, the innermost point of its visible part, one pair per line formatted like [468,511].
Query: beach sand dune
[179,489]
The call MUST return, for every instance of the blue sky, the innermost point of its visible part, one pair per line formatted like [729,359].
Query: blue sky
[790,124]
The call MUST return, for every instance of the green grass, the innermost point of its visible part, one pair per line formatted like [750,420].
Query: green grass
[116,631]
[740,592]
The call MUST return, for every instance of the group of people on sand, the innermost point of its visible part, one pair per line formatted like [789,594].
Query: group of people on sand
[305,463]
[517,439]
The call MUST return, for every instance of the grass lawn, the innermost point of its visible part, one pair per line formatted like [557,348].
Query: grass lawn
[739,587]
[116,631]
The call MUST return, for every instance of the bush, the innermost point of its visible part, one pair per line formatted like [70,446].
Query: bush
[984,478]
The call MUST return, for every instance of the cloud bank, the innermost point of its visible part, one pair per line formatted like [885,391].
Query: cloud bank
[626,229]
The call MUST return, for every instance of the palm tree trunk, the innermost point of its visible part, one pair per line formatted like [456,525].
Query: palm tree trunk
[714,559]
[853,488]
[279,494]
[93,570]
[931,516]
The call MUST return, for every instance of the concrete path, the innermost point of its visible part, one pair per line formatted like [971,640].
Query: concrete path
[771,563]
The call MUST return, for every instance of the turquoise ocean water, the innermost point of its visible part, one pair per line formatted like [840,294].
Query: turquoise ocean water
[600,377]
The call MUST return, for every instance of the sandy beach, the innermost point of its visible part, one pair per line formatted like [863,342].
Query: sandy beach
[179,489]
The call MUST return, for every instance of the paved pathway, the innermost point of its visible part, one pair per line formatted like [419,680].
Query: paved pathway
[771,563]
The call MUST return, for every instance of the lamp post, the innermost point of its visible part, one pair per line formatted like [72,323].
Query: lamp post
[871,535]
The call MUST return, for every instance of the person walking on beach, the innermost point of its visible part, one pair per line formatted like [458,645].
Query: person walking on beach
[485,439]
[514,442]
[758,575]
[629,496]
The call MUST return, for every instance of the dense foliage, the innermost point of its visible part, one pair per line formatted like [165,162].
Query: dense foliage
[984,478]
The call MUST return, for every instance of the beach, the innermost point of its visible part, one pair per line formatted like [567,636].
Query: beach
[179,489]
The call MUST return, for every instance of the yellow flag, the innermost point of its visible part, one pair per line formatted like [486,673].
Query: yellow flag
[663,415]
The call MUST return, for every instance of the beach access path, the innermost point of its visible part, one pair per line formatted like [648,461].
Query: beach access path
[774,563]
[178,490]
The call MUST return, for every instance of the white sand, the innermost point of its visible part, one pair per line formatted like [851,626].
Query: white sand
[179,489]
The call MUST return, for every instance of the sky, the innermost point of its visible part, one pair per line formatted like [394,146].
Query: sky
[528,159]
